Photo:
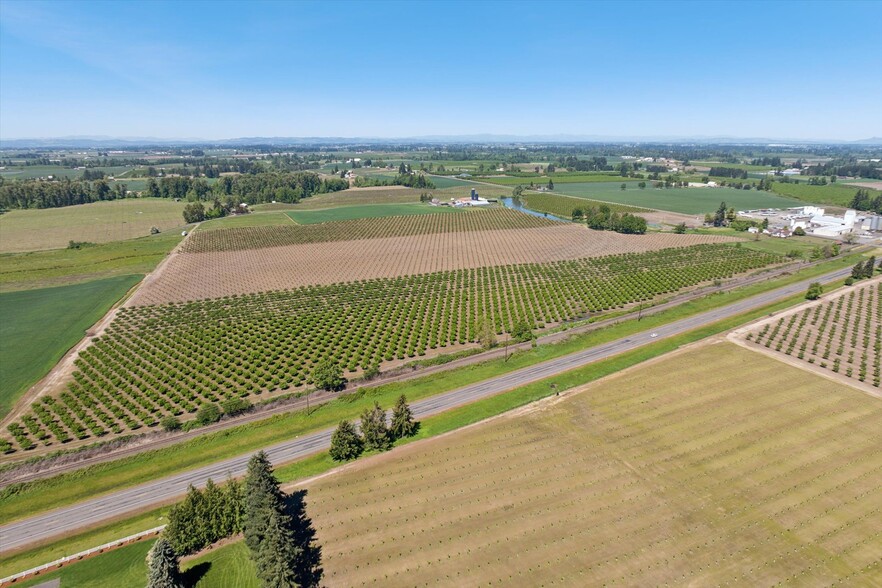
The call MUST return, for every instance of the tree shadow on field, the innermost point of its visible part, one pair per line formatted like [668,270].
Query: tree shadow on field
[192,576]
[310,571]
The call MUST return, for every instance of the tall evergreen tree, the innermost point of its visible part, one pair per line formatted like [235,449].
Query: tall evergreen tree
[213,512]
[234,507]
[346,443]
[268,527]
[262,497]
[275,556]
[403,424]
[374,430]
[163,568]
[870,266]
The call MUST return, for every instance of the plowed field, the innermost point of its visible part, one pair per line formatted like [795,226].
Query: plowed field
[195,276]
[679,473]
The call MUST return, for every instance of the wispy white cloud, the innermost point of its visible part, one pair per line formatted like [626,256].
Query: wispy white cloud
[112,46]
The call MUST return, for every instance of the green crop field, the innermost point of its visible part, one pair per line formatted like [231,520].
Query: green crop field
[359,197]
[563,206]
[343,213]
[833,194]
[742,166]
[98,222]
[559,178]
[153,360]
[759,242]
[38,326]
[442,182]
[255,219]
[671,473]
[697,201]
[38,269]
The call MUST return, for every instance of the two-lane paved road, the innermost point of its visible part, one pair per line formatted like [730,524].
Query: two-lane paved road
[130,500]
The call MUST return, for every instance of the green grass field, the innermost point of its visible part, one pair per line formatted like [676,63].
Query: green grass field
[360,197]
[767,243]
[37,327]
[442,182]
[98,222]
[255,219]
[832,194]
[57,267]
[559,178]
[743,166]
[125,567]
[563,206]
[343,213]
[115,569]
[696,201]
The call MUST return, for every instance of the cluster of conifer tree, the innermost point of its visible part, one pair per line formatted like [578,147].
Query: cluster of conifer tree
[205,517]
[347,443]
[863,201]
[278,532]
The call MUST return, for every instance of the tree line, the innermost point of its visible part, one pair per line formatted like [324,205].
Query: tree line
[602,218]
[250,189]
[56,194]
[863,201]
[279,534]
[728,172]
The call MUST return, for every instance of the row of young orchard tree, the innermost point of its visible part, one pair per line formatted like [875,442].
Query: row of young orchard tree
[278,532]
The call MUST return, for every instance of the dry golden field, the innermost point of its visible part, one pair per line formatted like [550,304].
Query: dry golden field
[713,466]
[98,222]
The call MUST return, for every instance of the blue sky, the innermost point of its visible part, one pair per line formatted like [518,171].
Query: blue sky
[394,69]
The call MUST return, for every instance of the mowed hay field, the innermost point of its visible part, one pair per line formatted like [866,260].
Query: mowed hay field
[425,244]
[679,472]
[98,222]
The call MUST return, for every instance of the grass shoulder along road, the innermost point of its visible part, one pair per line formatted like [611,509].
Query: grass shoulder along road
[37,327]
[22,500]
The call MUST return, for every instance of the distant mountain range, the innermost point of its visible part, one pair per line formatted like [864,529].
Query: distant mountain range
[105,142]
